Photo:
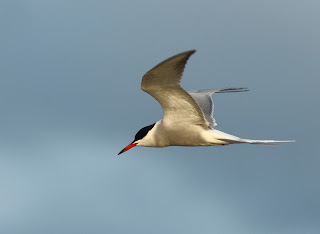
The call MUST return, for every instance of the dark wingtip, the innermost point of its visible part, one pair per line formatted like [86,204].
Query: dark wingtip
[188,53]
[191,51]
[233,90]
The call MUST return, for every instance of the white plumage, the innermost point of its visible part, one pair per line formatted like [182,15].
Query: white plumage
[187,116]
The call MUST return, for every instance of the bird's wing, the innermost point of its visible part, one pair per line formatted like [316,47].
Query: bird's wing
[163,83]
[204,99]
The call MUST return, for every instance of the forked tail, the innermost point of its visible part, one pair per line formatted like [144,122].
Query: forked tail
[222,136]
[266,142]
[256,142]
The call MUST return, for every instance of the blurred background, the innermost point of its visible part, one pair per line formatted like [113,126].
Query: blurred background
[70,100]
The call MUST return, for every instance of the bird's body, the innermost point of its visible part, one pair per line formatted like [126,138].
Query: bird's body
[187,116]
[181,134]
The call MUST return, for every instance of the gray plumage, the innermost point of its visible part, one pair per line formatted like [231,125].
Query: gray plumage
[204,99]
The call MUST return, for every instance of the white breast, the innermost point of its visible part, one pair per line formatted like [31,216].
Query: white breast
[181,134]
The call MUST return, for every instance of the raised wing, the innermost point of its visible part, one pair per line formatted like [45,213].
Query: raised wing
[204,99]
[163,83]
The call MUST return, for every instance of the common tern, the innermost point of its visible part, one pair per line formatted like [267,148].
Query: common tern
[187,116]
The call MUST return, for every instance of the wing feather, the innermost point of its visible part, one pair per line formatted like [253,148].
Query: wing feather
[163,83]
[204,99]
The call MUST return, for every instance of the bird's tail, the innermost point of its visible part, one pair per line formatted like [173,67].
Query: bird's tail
[257,142]
[266,142]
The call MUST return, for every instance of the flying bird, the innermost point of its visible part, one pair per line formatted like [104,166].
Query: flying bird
[187,116]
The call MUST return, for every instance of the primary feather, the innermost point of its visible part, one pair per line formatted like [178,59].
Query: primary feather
[163,83]
[204,99]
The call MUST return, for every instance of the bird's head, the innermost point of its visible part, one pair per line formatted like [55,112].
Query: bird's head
[141,138]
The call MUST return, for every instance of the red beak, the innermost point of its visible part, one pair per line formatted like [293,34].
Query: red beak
[128,147]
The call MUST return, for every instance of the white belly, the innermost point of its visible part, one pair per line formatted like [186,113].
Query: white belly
[188,135]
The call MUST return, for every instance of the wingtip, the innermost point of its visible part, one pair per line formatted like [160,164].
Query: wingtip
[232,90]
[193,51]
[188,52]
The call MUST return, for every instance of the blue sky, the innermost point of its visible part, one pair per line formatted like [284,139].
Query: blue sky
[70,101]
